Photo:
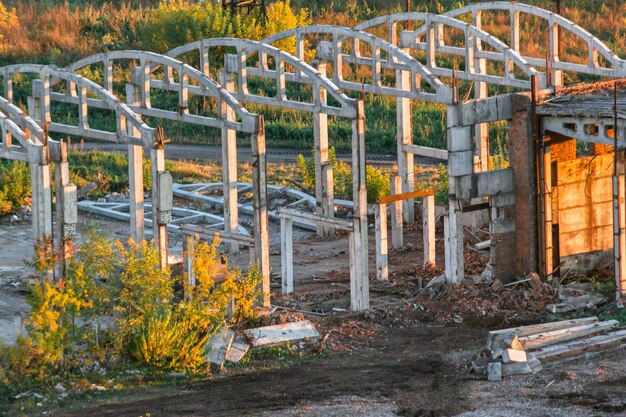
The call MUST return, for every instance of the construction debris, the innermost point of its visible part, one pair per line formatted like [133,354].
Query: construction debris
[282,333]
[518,351]
[217,347]
[238,349]
[575,297]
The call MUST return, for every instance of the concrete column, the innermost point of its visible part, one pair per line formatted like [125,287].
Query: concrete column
[189,242]
[428,229]
[159,228]
[65,210]
[397,238]
[323,178]
[359,273]
[522,154]
[481,91]
[286,254]
[547,211]
[41,200]
[404,136]
[382,254]
[229,167]
[261,228]
[135,173]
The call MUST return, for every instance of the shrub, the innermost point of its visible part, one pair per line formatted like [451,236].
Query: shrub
[377,182]
[14,185]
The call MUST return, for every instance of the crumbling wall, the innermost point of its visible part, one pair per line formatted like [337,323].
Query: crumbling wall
[584,205]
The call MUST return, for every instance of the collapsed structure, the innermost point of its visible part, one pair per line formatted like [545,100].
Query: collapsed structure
[538,217]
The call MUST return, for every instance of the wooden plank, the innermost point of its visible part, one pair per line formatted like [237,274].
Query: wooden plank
[535,341]
[404,196]
[282,333]
[495,337]
[578,347]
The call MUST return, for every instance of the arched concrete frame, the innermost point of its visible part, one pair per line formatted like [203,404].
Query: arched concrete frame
[409,77]
[232,117]
[41,150]
[237,67]
[554,63]
[429,37]
[129,129]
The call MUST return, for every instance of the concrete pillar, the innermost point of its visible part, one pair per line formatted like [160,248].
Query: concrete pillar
[359,273]
[261,227]
[229,167]
[286,254]
[135,173]
[547,212]
[404,136]
[189,242]
[159,224]
[428,230]
[382,253]
[323,178]
[522,155]
[397,238]
[481,91]
[65,210]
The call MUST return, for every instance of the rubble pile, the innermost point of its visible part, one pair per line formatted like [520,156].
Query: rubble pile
[522,350]
[228,345]
[525,299]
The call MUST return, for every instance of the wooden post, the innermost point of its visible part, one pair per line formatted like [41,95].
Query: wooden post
[382,256]
[397,239]
[286,254]
[261,229]
[135,173]
[229,166]
[359,273]
[428,216]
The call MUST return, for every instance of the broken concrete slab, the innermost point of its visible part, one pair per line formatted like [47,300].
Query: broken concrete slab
[513,355]
[238,349]
[494,371]
[218,345]
[539,340]
[516,368]
[578,347]
[282,333]
[534,363]
[570,304]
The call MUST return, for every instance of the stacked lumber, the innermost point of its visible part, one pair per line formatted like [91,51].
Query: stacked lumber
[228,346]
[522,350]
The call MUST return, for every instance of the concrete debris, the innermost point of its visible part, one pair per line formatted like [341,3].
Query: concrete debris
[282,333]
[217,347]
[238,349]
[521,350]
[574,297]
[494,371]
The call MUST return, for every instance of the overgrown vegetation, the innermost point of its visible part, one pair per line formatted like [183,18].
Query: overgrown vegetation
[117,307]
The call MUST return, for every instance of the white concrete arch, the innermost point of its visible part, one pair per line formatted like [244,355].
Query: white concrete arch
[616,67]
[286,67]
[429,38]
[231,117]
[204,85]
[303,73]
[394,58]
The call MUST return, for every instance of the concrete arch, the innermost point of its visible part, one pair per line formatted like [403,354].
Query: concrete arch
[149,62]
[236,66]
[303,73]
[396,59]
[126,118]
[555,22]
[432,31]
[232,117]
[15,124]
